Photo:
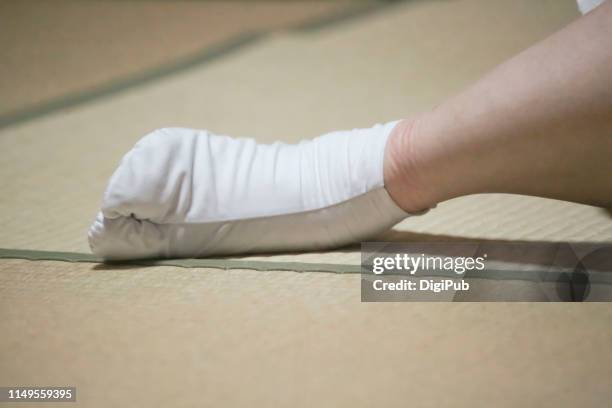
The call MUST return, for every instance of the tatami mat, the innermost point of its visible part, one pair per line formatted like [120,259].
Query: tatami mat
[165,336]
[177,337]
[59,49]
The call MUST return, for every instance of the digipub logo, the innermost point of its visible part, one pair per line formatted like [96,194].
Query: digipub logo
[486,271]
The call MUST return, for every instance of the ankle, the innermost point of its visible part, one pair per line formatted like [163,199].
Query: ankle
[404,175]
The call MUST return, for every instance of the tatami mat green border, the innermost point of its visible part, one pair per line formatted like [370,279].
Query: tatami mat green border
[220,263]
[199,58]
[34,255]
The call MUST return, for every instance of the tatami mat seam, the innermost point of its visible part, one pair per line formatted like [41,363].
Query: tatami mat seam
[197,59]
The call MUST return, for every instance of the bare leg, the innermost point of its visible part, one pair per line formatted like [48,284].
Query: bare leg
[539,124]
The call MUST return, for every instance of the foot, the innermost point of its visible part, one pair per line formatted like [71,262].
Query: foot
[190,193]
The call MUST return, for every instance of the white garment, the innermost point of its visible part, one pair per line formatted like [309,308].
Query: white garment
[190,193]
[587,5]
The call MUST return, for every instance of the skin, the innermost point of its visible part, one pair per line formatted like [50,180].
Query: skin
[539,124]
